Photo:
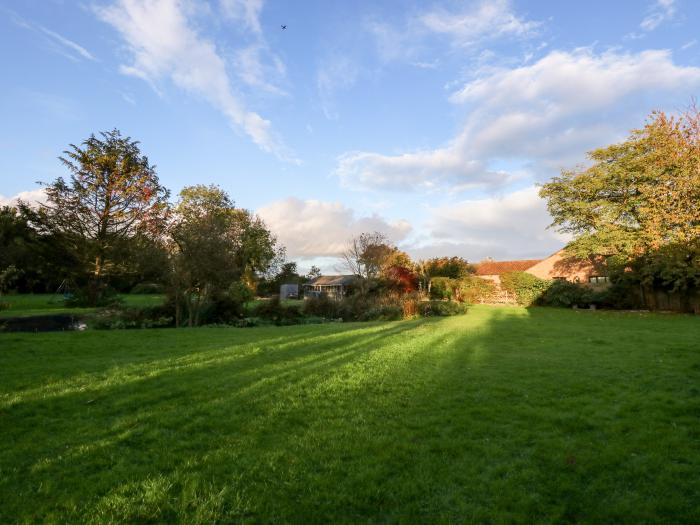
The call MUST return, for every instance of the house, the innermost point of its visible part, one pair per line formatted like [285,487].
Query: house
[492,270]
[333,286]
[591,270]
[557,266]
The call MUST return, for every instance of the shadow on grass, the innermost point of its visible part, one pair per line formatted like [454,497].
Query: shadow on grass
[501,415]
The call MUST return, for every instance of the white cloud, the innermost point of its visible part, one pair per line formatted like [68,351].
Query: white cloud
[252,69]
[508,226]
[661,11]
[487,20]
[245,11]
[60,44]
[476,23]
[543,115]
[163,44]
[312,228]
[31,197]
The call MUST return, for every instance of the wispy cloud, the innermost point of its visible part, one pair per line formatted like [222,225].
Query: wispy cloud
[244,11]
[335,73]
[68,44]
[163,44]
[661,11]
[59,43]
[530,115]
[485,21]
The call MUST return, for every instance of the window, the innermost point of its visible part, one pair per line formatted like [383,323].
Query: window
[598,279]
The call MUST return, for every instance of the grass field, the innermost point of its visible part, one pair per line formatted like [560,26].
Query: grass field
[503,415]
[45,304]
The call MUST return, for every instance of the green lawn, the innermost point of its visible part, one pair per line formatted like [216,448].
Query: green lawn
[503,415]
[25,305]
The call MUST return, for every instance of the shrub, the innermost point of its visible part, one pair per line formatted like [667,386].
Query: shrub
[147,288]
[381,312]
[273,310]
[121,318]
[474,290]
[566,294]
[321,307]
[527,288]
[94,295]
[443,287]
[441,308]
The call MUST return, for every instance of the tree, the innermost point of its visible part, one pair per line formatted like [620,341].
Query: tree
[451,267]
[213,245]
[370,255]
[639,202]
[314,272]
[113,193]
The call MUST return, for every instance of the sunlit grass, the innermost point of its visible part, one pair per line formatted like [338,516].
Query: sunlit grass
[502,415]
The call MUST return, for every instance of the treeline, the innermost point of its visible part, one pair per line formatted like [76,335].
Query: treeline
[110,227]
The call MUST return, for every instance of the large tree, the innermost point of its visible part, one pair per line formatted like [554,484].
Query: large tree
[638,202]
[214,245]
[113,193]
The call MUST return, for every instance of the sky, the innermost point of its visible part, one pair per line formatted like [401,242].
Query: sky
[431,122]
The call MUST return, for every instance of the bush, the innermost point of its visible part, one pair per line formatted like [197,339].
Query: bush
[441,308]
[273,310]
[94,295]
[122,318]
[147,288]
[565,294]
[473,290]
[443,288]
[527,288]
[322,307]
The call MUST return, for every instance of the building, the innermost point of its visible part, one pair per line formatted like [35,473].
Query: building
[557,266]
[492,270]
[590,271]
[333,286]
[289,291]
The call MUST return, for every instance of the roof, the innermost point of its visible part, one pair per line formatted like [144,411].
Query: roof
[332,280]
[500,267]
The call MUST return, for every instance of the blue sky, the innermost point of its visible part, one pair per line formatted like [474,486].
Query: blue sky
[431,122]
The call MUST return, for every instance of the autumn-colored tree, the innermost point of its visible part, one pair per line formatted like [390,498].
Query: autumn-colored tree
[370,255]
[638,202]
[113,193]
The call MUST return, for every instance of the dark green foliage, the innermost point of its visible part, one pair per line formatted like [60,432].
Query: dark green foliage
[527,288]
[280,314]
[132,317]
[147,288]
[565,294]
[441,308]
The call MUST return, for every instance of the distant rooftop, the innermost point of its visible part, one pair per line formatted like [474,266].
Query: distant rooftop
[500,267]
[332,280]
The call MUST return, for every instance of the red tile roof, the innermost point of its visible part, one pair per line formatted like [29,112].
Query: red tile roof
[499,267]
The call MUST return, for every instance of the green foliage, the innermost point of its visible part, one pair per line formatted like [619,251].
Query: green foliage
[280,314]
[131,317]
[441,308]
[565,294]
[213,246]
[527,288]
[474,290]
[147,288]
[444,288]
[639,202]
